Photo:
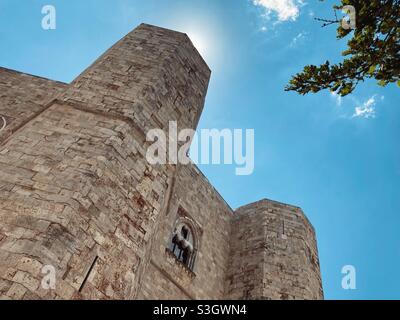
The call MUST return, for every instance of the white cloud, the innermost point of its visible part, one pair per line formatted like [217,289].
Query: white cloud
[285,9]
[297,38]
[337,97]
[367,109]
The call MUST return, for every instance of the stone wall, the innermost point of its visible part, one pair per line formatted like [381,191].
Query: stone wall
[273,254]
[77,193]
[76,190]
[22,97]
[193,198]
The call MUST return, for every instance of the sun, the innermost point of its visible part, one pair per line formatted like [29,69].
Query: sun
[204,32]
[200,42]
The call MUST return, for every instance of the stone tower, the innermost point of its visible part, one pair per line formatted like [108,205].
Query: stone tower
[77,191]
[80,203]
[273,254]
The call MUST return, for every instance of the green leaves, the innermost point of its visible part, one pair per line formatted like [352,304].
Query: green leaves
[372,70]
[382,83]
[373,51]
[348,88]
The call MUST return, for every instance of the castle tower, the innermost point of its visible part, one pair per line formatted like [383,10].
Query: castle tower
[83,215]
[78,199]
[273,254]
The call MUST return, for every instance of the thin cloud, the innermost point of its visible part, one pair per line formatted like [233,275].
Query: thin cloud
[367,109]
[297,39]
[338,98]
[285,9]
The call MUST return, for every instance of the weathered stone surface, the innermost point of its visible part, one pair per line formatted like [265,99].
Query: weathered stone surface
[273,254]
[193,198]
[77,193]
[22,97]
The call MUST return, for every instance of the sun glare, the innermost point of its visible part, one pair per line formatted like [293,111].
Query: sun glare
[200,42]
[204,33]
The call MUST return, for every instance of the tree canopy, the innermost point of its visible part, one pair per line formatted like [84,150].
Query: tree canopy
[373,51]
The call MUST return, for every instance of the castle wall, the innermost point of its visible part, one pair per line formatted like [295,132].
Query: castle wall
[273,254]
[22,97]
[66,202]
[166,278]
[77,192]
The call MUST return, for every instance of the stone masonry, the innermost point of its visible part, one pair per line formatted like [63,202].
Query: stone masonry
[77,193]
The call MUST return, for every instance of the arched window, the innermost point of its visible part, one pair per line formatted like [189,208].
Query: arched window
[182,245]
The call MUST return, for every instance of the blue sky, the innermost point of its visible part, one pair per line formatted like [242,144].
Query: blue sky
[339,159]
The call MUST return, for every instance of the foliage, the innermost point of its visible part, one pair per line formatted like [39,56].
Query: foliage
[373,51]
